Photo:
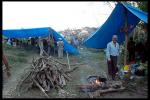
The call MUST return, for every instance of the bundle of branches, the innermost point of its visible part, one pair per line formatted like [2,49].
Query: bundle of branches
[47,73]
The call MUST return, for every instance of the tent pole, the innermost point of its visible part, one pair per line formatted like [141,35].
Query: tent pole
[53,44]
[68,59]
[49,39]
[50,33]
[126,37]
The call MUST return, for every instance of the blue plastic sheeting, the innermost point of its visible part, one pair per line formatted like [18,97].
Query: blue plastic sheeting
[39,32]
[140,14]
[67,47]
[114,25]
[26,33]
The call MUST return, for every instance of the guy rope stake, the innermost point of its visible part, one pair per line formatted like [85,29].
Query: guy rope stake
[68,59]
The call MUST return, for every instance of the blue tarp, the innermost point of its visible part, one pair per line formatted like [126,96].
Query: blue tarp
[26,33]
[114,25]
[140,14]
[39,32]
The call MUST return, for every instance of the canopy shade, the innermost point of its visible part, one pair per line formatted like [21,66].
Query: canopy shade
[40,32]
[114,25]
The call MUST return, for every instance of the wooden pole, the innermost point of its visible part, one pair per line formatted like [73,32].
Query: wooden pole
[126,37]
[68,60]
[53,41]
[49,42]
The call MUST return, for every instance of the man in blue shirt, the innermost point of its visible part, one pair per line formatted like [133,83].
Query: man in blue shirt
[112,53]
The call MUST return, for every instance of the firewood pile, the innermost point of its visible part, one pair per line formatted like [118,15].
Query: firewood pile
[47,73]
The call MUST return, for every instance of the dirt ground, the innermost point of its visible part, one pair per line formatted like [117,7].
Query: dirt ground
[93,63]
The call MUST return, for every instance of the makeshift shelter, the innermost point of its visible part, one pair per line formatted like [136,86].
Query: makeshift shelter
[39,32]
[115,25]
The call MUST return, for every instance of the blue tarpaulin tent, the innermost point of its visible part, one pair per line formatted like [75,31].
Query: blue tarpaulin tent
[39,32]
[114,25]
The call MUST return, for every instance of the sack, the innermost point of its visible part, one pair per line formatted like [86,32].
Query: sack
[126,68]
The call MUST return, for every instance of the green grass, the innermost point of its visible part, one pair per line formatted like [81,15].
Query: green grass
[11,59]
[16,59]
[22,54]
[21,59]
[16,55]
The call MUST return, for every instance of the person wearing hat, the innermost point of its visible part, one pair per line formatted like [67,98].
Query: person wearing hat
[60,45]
[112,53]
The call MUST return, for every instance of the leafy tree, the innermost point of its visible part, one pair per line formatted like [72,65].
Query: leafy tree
[142,5]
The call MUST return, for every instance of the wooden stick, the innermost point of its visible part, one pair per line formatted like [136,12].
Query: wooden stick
[48,77]
[110,90]
[43,67]
[59,62]
[67,64]
[65,76]
[71,70]
[45,53]
[40,88]
[77,64]
[63,80]
[38,78]
[68,60]
[90,95]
